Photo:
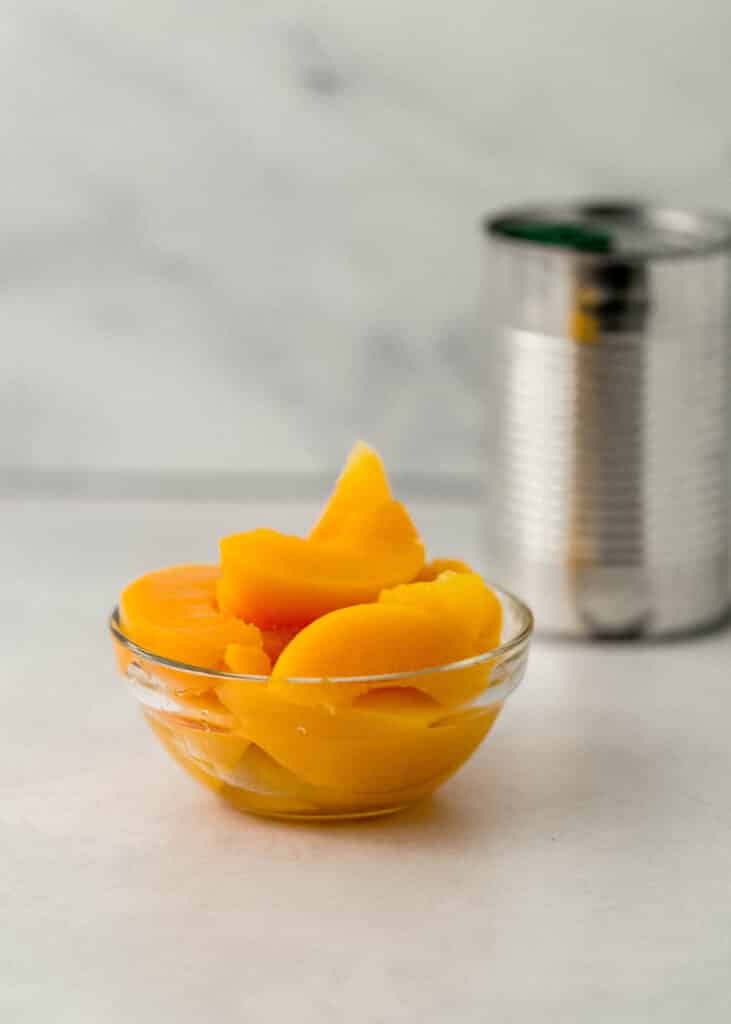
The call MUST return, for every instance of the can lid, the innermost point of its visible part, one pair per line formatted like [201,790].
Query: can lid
[625,229]
[567,234]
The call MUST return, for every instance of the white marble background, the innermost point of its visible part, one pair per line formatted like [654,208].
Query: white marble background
[237,234]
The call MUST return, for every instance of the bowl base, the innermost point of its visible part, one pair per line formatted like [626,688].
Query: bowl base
[320,817]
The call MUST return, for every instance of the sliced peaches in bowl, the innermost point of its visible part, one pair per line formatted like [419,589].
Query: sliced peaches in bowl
[333,675]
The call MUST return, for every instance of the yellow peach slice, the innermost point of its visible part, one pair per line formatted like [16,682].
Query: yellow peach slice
[462,599]
[405,702]
[355,751]
[362,640]
[277,580]
[362,484]
[173,613]
[466,602]
[246,660]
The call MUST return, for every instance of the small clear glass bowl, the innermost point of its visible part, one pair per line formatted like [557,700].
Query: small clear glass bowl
[320,749]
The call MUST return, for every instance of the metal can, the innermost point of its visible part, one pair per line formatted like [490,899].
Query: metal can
[608,416]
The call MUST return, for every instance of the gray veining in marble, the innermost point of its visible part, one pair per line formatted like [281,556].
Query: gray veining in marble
[236,236]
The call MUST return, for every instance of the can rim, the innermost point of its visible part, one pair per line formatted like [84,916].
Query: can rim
[706,232]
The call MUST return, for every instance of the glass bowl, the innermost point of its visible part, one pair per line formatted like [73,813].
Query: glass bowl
[334,748]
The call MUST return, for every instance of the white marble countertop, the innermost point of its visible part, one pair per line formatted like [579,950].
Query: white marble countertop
[577,869]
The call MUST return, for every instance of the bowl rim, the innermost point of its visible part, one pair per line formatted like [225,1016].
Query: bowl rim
[514,643]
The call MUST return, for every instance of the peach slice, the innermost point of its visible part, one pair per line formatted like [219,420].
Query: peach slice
[215,752]
[362,640]
[277,580]
[362,484]
[247,660]
[173,613]
[462,599]
[406,702]
[355,751]
[473,611]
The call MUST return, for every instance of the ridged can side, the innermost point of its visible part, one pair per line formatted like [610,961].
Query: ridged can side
[607,429]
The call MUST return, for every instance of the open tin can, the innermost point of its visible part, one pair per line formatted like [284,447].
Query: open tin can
[608,416]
